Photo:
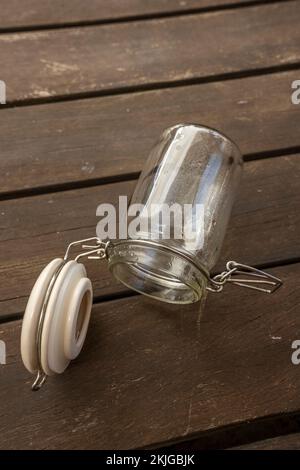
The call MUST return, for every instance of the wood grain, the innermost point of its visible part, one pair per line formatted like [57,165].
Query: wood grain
[153,373]
[150,374]
[289,442]
[76,61]
[33,13]
[264,228]
[105,138]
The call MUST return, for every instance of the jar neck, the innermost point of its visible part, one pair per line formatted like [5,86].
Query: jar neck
[157,270]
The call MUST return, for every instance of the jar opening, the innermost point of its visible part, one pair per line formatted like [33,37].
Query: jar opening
[160,274]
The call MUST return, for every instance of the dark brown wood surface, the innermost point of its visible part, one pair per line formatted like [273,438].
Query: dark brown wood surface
[289,442]
[102,139]
[152,373]
[33,13]
[86,102]
[80,61]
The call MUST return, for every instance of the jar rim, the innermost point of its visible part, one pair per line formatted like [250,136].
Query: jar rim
[153,243]
[147,266]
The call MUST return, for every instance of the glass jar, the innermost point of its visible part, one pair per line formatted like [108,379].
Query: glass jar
[195,172]
[184,198]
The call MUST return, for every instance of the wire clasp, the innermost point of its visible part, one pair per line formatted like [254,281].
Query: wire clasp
[251,278]
[97,250]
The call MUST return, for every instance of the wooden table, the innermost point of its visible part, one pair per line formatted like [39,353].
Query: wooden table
[90,86]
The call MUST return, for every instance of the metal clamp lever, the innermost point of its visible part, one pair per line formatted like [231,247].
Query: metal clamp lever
[96,250]
[252,278]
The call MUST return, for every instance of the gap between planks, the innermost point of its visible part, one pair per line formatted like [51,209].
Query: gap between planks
[52,189]
[145,363]
[257,433]
[143,16]
[135,89]
[103,140]
[93,52]
[263,228]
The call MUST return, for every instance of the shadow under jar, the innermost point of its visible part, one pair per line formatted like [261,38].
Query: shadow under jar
[192,167]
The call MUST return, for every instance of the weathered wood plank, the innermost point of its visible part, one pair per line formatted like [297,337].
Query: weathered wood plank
[111,136]
[32,13]
[152,373]
[264,228]
[289,442]
[107,57]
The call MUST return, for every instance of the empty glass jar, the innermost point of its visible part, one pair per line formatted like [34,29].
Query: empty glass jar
[184,198]
[195,171]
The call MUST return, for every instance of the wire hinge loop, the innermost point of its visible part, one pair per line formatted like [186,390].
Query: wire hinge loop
[95,249]
[244,276]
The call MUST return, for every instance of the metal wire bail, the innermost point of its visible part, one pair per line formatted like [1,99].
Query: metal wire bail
[97,250]
[252,278]
[94,248]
